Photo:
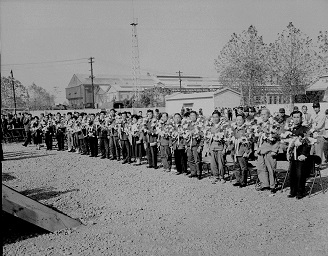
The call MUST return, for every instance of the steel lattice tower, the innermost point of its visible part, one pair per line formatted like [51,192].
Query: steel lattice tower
[135,56]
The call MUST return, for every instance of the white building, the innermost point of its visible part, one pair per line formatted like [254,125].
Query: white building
[207,101]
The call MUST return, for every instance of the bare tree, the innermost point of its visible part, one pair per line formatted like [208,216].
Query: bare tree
[293,62]
[242,64]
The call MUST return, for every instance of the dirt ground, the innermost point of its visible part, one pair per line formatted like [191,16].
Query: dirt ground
[129,210]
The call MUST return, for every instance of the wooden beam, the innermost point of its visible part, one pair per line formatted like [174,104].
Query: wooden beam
[34,212]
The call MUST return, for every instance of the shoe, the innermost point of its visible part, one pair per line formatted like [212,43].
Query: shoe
[291,196]
[24,145]
[103,157]
[242,185]
[273,190]
[199,177]
[91,156]
[214,181]
[298,197]
[136,164]
[178,173]
[236,184]
[155,167]
[58,149]
[264,188]
[112,158]
[191,176]
[149,166]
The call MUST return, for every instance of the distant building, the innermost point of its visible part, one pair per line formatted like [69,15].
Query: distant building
[110,89]
[319,90]
[207,101]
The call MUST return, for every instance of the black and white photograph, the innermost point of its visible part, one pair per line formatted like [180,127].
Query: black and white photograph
[164,127]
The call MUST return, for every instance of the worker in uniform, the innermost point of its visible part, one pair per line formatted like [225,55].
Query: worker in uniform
[27,127]
[165,144]
[194,146]
[267,150]
[49,131]
[240,151]
[124,139]
[217,149]
[178,146]
[298,157]
[92,135]
[60,132]
[151,139]
[114,140]
[69,131]
[103,137]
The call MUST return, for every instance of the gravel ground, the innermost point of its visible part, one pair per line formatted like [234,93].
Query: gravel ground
[128,210]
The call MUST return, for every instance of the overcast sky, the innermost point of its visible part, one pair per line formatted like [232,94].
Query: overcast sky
[174,35]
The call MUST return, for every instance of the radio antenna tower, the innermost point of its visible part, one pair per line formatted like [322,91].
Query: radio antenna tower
[135,56]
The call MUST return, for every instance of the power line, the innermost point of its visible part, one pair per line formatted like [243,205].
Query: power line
[45,62]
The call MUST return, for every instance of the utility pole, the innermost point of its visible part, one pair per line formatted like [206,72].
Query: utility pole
[13,83]
[92,86]
[179,78]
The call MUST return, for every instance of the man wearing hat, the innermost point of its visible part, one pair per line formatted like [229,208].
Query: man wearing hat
[282,118]
[318,129]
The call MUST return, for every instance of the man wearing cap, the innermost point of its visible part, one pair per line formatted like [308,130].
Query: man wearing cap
[282,118]
[318,129]
[267,148]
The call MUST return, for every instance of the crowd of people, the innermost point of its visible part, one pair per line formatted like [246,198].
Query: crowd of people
[189,136]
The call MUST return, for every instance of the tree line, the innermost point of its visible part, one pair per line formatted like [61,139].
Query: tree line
[293,61]
[33,97]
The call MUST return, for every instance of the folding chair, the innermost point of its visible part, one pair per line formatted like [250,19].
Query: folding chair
[252,173]
[316,161]
[206,165]
[228,165]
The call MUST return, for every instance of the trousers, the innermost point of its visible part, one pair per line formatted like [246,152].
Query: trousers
[151,155]
[104,147]
[194,161]
[60,140]
[217,163]
[266,170]
[48,141]
[297,177]
[166,156]
[126,149]
[241,170]
[180,158]
[93,144]
[115,147]
[69,141]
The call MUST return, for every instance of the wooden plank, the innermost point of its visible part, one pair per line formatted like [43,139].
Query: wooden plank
[34,212]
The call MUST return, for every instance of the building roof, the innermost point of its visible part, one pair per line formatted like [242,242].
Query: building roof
[226,89]
[180,96]
[320,85]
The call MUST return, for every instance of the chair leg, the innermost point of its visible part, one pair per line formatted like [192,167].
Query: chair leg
[283,184]
[314,178]
[321,183]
